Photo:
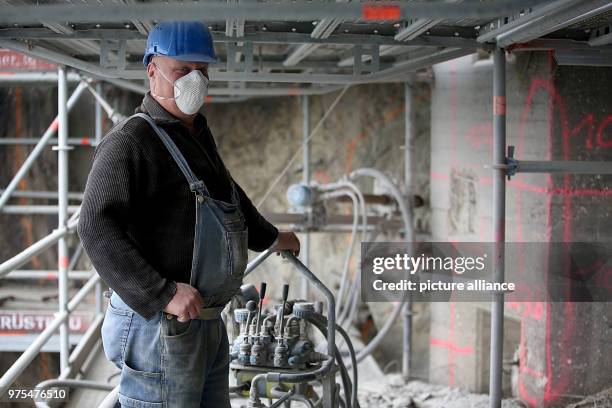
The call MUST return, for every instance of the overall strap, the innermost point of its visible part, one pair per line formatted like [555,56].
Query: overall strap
[194,183]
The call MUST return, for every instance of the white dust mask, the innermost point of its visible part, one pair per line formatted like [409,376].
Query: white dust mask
[189,91]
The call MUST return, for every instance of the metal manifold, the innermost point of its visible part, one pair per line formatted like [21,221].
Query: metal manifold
[277,355]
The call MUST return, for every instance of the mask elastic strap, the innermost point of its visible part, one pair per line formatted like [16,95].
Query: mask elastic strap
[166,78]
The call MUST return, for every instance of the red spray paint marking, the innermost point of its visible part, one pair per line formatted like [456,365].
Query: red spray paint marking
[520,185]
[525,371]
[321,176]
[607,144]
[451,345]
[85,141]
[554,389]
[531,310]
[480,134]
[54,125]
[63,262]
[589,122]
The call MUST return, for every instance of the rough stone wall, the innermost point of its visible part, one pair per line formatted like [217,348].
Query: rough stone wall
[366,129]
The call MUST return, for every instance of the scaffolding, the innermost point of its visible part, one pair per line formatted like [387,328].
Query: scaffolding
[373,42]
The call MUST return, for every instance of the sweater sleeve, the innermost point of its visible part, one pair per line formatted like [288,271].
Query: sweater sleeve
[262,233]
[111,192]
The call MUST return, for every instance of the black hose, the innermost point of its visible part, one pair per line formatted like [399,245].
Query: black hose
[346,381]
[319,323]
[353,355]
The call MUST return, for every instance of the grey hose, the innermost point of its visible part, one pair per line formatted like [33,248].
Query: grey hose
[406,217]
[356,205]
[346,312]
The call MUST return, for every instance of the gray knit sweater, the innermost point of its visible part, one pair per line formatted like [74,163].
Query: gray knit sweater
[137,217]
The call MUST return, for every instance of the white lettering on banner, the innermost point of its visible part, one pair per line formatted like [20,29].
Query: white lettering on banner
[37,321]
[16,61]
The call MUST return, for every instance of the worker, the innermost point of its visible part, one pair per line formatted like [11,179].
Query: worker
[167,228]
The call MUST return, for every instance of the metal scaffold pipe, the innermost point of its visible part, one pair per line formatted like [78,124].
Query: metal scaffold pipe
[6,194]
[62,194]
[499,221]
[408,183]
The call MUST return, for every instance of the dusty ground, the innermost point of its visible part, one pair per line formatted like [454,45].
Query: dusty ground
[417,394]
[600,400]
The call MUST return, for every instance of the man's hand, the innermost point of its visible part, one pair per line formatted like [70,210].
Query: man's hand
[186,303]
[288,241]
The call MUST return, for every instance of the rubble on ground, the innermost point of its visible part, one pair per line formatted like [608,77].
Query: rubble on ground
[417,394]
[599,400]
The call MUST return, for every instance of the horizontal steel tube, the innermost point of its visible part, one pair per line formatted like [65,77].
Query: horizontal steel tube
[36,248]
[48,275]
[36,209]
[574,167]
[44,194]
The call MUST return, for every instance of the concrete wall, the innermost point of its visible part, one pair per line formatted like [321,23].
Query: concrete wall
[553,114]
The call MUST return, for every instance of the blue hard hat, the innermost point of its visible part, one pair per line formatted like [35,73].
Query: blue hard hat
[182,40]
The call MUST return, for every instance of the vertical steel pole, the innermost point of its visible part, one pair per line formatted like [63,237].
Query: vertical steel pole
[98,113]
[62,195]
[305,247]
[98,137]
[499,223]
[408,178]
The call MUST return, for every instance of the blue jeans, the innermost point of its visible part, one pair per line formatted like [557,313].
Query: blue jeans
[165,363]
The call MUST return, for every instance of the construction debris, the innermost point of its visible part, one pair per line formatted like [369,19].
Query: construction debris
[599,400]
[417,394]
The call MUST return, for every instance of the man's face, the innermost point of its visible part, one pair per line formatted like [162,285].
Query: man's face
[173,69]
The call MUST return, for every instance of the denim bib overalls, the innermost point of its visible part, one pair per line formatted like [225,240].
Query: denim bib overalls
[166,363]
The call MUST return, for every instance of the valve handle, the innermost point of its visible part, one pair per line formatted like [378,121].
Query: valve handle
[262,291]
[285,292]
[251,305]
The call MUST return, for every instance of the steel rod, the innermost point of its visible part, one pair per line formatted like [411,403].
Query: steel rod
[98,129]
[574,167]
[305,247]
[62,194]
[83,141]
[36,248]
[409,234]
[98,115]
[36,209]
[47,195]
[45,274]
[499,221]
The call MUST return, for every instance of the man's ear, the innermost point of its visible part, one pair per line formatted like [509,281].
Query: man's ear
[150,70]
